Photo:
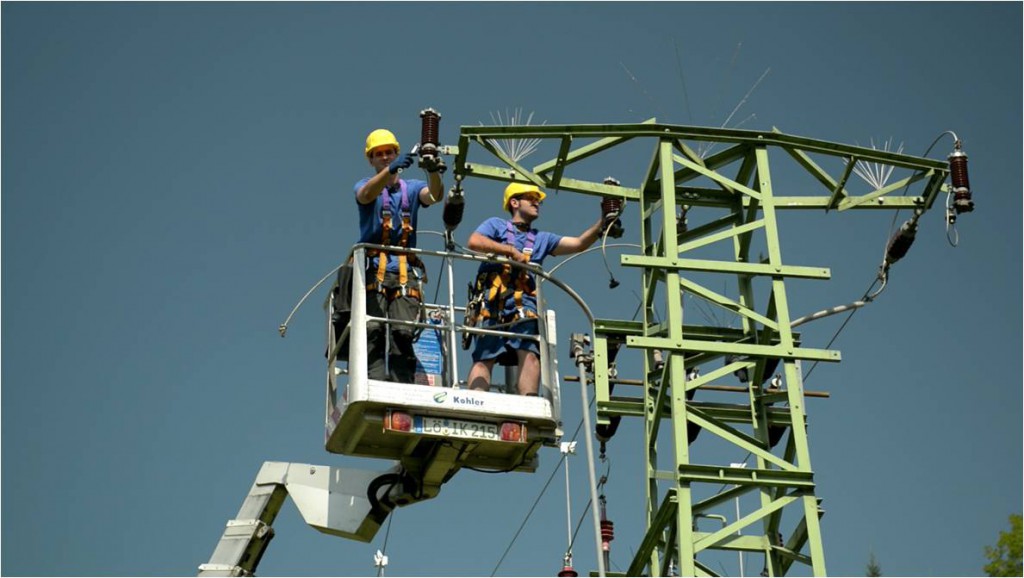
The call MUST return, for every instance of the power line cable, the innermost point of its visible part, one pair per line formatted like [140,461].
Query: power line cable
[883,275]
[840,330]
[384,549]
[554,471]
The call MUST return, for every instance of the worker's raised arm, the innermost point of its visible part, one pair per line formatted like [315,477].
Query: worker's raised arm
[570,245]
[434,190]
[370,190]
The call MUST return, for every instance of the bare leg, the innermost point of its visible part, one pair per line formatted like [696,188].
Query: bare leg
[480,375]
[529,372]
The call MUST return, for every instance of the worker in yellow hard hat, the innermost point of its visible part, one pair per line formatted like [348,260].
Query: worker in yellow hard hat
[509,295]
[388,209]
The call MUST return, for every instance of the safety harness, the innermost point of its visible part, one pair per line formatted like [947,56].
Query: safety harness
[492,289]
[404,259]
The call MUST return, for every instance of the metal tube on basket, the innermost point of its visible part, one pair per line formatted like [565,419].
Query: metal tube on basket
[451,324]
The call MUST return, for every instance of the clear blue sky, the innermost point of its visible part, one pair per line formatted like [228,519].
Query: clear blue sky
[176,175]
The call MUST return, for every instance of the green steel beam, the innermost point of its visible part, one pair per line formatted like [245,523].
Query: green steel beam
[689,153]
[602,389]
[709,134]
[746,476]
[726,303]
[669,263]
[850,203]
[666,511]
[707,228]
[712,540]
[708,239]
[519,169]
[818,173]
[674,316]
[560,161]
[726,182]
[839,191]
[714,162]
[704,571]
[822,203]
[565,184]
[582,152]
[932,189]
[709,332]
[734,542]
[722,497]
[702,197]
[635,407]
[781,351]
[736,437]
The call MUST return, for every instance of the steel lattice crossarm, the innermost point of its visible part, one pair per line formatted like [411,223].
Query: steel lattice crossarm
[734,194]
[741,145]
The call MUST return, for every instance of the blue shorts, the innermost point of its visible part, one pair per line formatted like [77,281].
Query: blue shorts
[504,348]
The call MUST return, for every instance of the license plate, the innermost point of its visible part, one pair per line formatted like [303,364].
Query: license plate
[458,428]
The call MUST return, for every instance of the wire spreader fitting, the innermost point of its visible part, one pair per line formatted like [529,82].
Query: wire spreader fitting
[900,244]
[454,207]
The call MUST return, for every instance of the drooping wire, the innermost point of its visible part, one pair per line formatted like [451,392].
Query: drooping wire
[643,90]
[283,328]
[604,254]
[951,222]
[896,215]
[883,274]
[867,295]
[682,81]
[581,253]
[528,514]
[586,508]
[437,290]
[568,508]
[384,549]
[554,471]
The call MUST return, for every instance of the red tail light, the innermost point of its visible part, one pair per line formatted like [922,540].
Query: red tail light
[513,432]
[398,421]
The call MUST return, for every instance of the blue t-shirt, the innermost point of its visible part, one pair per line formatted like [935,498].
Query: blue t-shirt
[544,243]
[371,230]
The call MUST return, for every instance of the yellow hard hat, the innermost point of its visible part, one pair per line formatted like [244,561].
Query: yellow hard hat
[514,189]
[381,137]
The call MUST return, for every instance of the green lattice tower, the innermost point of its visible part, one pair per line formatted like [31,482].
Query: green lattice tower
[737,180]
